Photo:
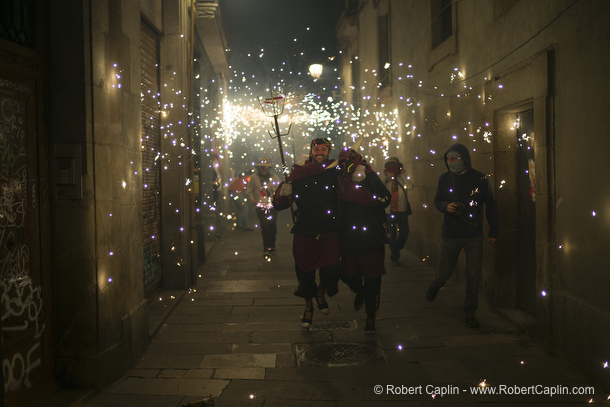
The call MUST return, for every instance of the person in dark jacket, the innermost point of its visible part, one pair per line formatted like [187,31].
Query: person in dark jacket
[363,232]
[464,196]
[312,186]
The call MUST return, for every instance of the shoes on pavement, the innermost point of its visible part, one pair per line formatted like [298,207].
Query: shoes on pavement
[395,263]
[307,319]
[322,304]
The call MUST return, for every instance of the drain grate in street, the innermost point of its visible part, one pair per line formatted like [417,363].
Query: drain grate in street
[339,354]
[334,325]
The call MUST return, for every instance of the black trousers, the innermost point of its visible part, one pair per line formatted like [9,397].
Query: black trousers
[329,279]
[268,222]
[371,290]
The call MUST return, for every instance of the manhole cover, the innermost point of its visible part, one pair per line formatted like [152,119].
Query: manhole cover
[334,325]
[338,354]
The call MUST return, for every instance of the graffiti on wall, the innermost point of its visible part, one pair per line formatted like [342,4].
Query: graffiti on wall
[21,309]
[21,305]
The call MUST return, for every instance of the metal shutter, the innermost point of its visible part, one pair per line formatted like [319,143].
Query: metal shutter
[151,159]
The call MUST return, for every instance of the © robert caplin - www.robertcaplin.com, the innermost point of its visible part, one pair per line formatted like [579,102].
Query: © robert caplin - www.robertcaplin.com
[483,389]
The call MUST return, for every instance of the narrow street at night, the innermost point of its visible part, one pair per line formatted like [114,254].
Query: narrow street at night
[238,338]
[442,156]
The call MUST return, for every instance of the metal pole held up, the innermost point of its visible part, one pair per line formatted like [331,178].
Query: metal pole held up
[273,106]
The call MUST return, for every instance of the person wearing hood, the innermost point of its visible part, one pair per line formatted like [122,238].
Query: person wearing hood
[465,197]
[261,190]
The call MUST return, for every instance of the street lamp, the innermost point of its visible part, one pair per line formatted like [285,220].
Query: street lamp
[315,70]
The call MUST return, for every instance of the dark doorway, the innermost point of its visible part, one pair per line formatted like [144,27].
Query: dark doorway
[526,212]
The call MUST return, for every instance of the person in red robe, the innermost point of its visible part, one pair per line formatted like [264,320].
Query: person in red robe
[312,186]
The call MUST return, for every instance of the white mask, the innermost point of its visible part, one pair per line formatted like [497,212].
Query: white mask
[457,167]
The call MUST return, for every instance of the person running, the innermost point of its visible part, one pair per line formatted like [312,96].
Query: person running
[464,196]
[363,232]
[312,186]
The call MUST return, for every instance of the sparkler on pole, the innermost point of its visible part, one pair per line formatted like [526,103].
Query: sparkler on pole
[273,106]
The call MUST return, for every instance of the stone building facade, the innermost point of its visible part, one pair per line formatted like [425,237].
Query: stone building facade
[523,85]
[100,148]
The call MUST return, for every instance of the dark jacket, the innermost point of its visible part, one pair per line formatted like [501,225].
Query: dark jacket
[363,220]
[471,189]
[314,191]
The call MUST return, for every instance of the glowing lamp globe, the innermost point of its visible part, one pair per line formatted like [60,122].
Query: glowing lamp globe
[315,70]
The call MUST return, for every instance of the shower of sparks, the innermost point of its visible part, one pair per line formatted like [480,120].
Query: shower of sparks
[233,132]
[231,128]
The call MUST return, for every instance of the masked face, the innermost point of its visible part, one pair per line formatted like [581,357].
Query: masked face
[348,164]
[393,169]
[319,153]
[456,164]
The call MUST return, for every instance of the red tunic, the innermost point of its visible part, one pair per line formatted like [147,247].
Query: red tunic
[311,253]
[316,238]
